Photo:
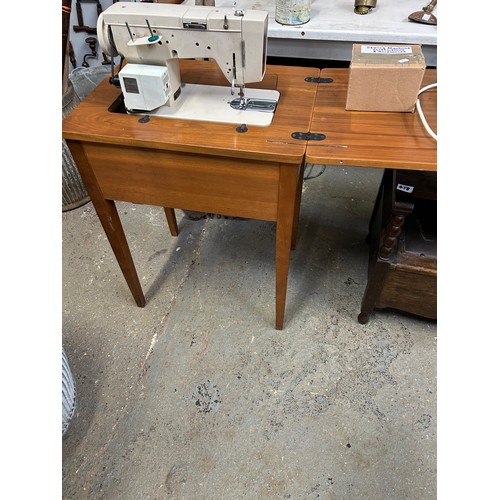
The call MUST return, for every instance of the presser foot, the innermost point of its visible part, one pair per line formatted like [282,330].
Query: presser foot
[254,104]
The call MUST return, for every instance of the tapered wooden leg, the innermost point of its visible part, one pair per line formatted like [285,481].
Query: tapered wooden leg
[172,221]
[375,284]
[298,199]
[378,201]
[110,220]
[111,223]
[284,229]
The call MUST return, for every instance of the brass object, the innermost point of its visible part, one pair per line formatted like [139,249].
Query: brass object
[424,16]
[364,6]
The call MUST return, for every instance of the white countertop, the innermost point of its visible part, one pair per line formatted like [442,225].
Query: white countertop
[335,20]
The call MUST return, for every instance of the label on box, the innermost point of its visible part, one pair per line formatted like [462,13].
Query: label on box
[385,49]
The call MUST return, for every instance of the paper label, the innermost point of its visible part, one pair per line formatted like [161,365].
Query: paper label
[404,188]
[386,49]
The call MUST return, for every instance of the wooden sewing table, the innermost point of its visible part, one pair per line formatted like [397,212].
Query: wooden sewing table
[195,165]
[371,138]
[402,271]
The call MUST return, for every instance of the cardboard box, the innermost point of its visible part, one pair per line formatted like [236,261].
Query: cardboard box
[385,77]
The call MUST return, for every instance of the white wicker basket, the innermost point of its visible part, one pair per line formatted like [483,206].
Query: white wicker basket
[68,394]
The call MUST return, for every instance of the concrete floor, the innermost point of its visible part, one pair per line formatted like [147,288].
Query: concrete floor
[196,396]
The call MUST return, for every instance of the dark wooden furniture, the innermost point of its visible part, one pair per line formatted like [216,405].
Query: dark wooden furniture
[402,271]
[194,165]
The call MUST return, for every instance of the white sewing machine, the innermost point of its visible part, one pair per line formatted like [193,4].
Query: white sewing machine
[152,37]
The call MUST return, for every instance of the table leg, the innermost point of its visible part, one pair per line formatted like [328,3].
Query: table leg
[372,290]
[298,199]
[387,241]
[287,197]
[172,221]
[110,220]
[378,201]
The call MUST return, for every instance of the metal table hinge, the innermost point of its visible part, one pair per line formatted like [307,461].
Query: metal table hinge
[308,136]
[318,79]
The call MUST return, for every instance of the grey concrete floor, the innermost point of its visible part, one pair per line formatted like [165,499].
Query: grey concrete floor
[196,396]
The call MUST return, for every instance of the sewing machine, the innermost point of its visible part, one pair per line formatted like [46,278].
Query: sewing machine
[152,38]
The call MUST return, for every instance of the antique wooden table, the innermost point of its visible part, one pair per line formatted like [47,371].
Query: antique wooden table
[195,165]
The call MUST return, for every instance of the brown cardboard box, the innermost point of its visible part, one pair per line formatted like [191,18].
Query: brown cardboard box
[385,77]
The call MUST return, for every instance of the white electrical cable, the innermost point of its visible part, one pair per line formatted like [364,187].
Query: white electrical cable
[420,112]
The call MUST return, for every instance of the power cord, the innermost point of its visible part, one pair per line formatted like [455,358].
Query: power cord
[421,113]
[308,171]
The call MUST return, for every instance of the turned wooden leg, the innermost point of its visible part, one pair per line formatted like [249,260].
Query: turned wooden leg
[172,221]
[388,245]
[284,228]
[110,220]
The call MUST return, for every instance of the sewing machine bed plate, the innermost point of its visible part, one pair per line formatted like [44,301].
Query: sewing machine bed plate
[211,103]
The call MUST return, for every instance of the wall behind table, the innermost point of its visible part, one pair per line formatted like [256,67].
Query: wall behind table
[89,11]
[80,47]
